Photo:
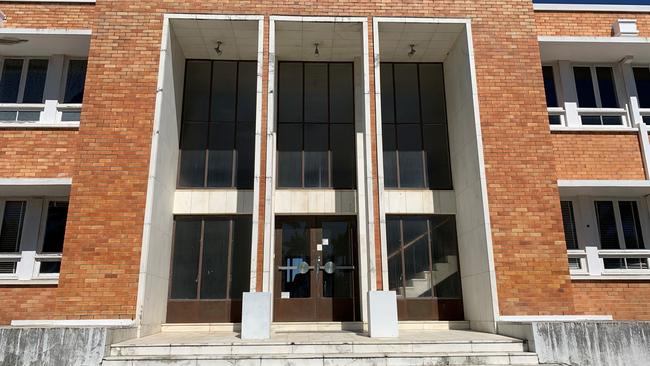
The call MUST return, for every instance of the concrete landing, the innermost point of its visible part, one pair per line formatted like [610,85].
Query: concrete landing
[449,347]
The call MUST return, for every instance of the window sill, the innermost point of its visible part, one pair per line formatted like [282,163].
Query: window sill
[32,282]
[556,128]
[611,277]
[37,125]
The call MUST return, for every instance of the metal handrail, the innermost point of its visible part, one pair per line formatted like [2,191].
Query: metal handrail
[10,257]
[22,106]
[599,111]
[68,106]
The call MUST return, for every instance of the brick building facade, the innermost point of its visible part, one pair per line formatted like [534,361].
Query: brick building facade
[521,181]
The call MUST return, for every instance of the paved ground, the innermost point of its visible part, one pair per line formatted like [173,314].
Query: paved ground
[406,336]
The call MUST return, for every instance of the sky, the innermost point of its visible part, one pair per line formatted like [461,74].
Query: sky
[616,2]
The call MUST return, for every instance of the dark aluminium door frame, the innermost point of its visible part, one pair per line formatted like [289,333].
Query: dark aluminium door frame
[311,304]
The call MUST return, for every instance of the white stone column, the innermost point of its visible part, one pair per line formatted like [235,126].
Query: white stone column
[570,94]
[52,90]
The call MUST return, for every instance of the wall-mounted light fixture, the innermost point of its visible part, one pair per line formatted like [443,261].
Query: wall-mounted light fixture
[218,48]
[316,51]
[412,51]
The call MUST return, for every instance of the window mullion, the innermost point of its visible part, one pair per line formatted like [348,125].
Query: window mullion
[619,225]
[199,273]
[26,268]
[231,227]
[235,157]
[23,77]
[2,213]
[401,245]
[431,254]
[594,82]
[302,121]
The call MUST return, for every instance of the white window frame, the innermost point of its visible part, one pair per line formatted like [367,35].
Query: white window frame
[621,96]
[19,106]
[52,107]
[31,243]
[23,73]
[590,252]
[645,112]
[62,106]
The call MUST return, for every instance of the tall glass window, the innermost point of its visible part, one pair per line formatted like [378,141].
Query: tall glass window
[423,256]
[22,80]
[596,88]
[316,144]
[75,81]
[642,79]
[550,90]
[211,257]
[218,126]
[414,126]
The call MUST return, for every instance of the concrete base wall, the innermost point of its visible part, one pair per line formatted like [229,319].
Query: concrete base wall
[58,346]
[585,343]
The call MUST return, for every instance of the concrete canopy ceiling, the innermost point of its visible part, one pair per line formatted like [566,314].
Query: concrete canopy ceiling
[594,49]
[432,41]
[604,188]
[295,41]
[198,38]
[74,44]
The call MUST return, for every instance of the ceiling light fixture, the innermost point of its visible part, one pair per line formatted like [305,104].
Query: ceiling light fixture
[218,48]
[412,51]
[316,51]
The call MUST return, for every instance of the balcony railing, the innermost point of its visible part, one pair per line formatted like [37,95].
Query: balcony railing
[20,112]
[68,112]
[8,264]
[591,117]
[611,263]
[645,115]
[36,114]
[556,116]
[604,117]
[29,265]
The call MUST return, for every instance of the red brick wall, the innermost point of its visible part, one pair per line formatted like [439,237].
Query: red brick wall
[530,255]
[557,23]
[624,300]
[47,15]
[34,302]
[597,155]
[28,153]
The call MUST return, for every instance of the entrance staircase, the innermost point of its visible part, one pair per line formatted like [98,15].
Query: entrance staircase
[421,284]
[413,347]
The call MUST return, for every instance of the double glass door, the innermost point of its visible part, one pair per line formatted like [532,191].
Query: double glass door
[316,269]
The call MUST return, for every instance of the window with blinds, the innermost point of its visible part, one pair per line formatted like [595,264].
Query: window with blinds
[11,231]
[32,232]
[568,219]
[619,225]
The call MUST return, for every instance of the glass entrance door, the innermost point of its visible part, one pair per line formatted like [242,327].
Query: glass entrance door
[316,269]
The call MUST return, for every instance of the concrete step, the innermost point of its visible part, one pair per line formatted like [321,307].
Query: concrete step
[374,359]
[414,347]
[315,326]
[320,347]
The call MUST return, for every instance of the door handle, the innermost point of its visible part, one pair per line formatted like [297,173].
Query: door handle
[303,267]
